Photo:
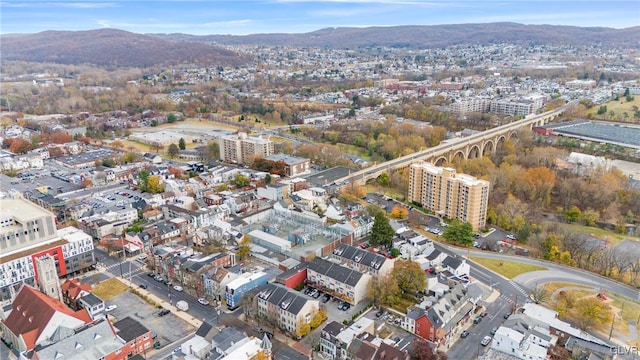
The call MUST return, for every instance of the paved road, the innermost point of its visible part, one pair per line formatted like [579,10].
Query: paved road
[556,272]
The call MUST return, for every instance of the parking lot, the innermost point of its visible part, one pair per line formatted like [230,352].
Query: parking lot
[334,306]
[169,328]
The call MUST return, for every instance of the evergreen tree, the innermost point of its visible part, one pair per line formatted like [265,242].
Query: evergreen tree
[382,232]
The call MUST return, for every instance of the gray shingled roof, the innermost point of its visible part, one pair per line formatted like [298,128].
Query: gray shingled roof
[451,262]
[284,298]
[227,337]
[336,271]
[360,256]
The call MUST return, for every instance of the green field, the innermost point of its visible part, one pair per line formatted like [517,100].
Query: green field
[619,108]
[508,269]
[611,237]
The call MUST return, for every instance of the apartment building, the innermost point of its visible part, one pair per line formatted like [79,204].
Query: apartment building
[286,307]
[337,280]
[470,105]
[240,148]
[513,107]
[451,195]
[29,233]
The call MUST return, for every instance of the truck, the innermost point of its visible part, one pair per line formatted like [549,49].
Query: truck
[182,305]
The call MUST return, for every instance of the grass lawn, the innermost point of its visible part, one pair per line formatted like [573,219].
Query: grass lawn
[109,289]
[610,236]
[402,304]
[372,187]
[553,286]
[353,150]
[631,312]
[508,269]
[619,107]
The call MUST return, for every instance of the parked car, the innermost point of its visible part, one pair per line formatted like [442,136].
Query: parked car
[464,334]
[156,345]
[326,298]
[143,286]
[494,330]
[316,294]
[484,314]
[178,288]
[164,312]
[110,308]
[485,340]
[506,316]
[203,301]
[182,305]
[379,313]
[344,306]
[511,237]
[477,319]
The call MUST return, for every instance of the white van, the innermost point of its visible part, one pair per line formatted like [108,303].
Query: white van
[182,305]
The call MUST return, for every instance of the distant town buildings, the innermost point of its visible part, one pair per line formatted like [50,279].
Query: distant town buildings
[451,195]
[241,147]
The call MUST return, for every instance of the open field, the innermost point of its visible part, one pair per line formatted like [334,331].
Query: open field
[109,289]
[618,107]
[611,237]
[508,269]
[552,287]
[626,311]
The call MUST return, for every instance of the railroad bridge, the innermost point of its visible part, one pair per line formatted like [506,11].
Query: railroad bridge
[470,147]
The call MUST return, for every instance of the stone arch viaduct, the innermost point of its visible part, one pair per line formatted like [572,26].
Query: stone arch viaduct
[469,147]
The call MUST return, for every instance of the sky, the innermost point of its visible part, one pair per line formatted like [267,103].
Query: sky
[242,17]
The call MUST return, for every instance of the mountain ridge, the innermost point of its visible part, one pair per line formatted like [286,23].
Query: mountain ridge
[120,48]
[429,36]
[110,48]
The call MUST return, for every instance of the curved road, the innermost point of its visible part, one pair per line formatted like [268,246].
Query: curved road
[556,273]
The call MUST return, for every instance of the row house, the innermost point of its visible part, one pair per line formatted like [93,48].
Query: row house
[335,338]
[17,163]
[242,202]
[189,272]
[337,280]
[172,211]
[438,322]
[286,307]
[359,226]
[524,338]
[72,290]
[167,230]
[362,260]
[215,281]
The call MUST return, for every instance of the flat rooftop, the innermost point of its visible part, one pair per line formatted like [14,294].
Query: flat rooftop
[326,177]
[614,133]
[21,209]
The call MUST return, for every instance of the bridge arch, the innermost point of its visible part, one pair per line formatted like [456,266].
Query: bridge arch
[440,161]
[474,152]
[488,148]
[459,155]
